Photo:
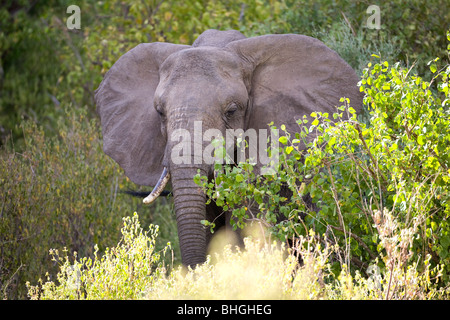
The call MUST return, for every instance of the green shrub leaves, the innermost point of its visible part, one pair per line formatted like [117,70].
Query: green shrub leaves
[397,165]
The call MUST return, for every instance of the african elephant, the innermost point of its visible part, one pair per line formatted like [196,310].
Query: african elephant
[223,81]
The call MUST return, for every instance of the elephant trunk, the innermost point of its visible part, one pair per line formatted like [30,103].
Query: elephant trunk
[190,208]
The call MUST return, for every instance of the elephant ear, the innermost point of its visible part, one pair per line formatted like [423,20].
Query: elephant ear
[293,75]
[130,126]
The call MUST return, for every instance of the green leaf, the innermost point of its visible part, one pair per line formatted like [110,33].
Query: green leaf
[239,177]
[421,140]
[433,226]
[393,147]
[332,141]
[375,238]
[433,68]
[283,139]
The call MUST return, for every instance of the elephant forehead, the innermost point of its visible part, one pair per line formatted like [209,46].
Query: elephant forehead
[206,62]
[193,95]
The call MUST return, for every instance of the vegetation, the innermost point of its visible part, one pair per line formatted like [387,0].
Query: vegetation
[380,190]
[260,271]
[381,181]
[61,192]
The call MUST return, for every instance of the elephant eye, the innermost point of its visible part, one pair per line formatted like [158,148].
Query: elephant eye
[160,113]
[229,113]
[231,110]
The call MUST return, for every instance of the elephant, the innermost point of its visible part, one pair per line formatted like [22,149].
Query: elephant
[158,93]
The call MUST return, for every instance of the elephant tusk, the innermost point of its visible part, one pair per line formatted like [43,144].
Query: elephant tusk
[160,185]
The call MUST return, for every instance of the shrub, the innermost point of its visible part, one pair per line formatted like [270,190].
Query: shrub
[32,90]
[358,174]
[408,26]
[123,272]
[59,188]
[134,269]
[57,192]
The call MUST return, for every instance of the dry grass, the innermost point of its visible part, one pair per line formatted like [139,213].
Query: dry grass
[260,270]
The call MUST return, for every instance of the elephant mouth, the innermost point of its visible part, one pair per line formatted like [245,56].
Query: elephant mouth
[159,187]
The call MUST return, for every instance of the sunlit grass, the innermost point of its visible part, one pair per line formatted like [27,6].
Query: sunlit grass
[260,270]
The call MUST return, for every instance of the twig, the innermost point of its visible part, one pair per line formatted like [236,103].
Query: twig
[349,24]
[390,280]
[358,239]
[358,127]
[335,197]
[242,13]
[8,282]
[363,202]
[69,41]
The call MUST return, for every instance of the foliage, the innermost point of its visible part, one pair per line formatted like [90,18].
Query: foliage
[79,58]
[119,274]
[264,270]
[24,96]
[55,193]
[355,49]
[60,192]
[360,174]
[70,63]
[406,25]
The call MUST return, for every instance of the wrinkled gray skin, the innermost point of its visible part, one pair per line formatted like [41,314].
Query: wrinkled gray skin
[224,80]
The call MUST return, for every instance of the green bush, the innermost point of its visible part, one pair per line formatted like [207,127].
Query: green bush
[394,171]
[60,190]
[134,269]
[70,63]
[417,29]
[57,192]
[119,274]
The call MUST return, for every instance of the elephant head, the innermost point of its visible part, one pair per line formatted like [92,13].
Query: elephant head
[157,93]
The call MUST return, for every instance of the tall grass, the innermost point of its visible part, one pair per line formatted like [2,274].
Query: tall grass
[134,269]
[61,192]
